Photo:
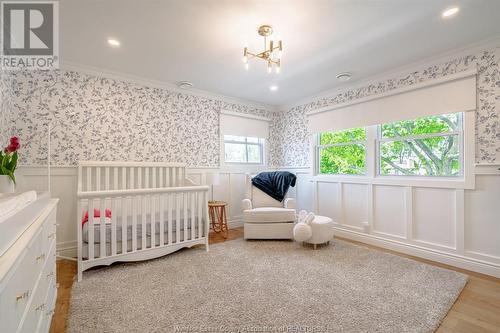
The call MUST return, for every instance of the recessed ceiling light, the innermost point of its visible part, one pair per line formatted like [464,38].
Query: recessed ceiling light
[346,76]
[452,11]
[273,88]
[114,42]
[184,84]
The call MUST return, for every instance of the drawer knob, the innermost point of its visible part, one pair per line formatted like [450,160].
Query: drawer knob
[23,295]
[41,307]
[40,257]
[52,235]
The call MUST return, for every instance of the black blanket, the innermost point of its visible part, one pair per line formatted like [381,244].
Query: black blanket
[275,184]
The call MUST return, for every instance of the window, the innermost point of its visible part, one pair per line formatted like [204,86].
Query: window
[241,149]
[342,152]
[428,146]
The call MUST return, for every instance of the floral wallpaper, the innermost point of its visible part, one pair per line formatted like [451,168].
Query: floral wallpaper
[5,104]
[293,140]
[96,118]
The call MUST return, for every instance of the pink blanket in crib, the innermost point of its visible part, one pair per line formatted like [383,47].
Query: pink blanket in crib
[97,213]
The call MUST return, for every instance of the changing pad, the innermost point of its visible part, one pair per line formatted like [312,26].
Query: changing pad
[11,203]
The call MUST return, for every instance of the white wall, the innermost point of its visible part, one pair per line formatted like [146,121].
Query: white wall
[453,226]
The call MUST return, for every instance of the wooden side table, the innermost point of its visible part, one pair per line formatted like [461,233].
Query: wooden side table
[218,217]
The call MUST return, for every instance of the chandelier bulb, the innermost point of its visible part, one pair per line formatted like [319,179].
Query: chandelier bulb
[246,66]
[269,68]
[245,59]
[278,69]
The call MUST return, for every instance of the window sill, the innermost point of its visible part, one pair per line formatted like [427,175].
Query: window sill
[435,182]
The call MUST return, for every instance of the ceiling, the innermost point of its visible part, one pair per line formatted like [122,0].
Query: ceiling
[201,41]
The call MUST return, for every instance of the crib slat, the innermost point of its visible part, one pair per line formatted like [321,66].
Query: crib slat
[143,220]
[161,198]
[102,229]
[180,175]
[89,179]
[174,183]
[185,217]
[139,178]
[167,177]
[153,185]
[132,180]
[124,223]
[124,179]
[98,179]
[153,221]
[79,230]
[200,213]
[177,218]
[134,224]
[115,178]
[161,178]
[106,178]
[170,204]
[113,226]
[193,222]
[90,229]
[146,177]
[205,213]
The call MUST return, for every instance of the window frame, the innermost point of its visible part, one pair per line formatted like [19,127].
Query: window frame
[465,181]
[260,144]
[459,134]
[319,147]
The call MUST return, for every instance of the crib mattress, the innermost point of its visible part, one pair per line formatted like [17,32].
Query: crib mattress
[119,227]
[119,245]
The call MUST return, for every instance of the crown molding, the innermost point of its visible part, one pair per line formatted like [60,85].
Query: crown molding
[101,72]
[397,91]
[244,115]
[400,71]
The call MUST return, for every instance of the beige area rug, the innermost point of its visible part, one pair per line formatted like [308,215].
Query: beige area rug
[266,286]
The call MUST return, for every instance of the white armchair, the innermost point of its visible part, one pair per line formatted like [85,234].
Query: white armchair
[265,217]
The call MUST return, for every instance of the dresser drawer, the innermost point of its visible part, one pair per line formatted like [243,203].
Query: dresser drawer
[39,306]
[48,232]
[19,288]
[45,318]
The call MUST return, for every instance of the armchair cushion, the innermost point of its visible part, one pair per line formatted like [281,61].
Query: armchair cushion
[261,199]
[269,215]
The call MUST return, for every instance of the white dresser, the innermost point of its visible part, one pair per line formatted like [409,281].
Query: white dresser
[28,270]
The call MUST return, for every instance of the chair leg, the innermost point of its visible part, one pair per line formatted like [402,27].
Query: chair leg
[314,246]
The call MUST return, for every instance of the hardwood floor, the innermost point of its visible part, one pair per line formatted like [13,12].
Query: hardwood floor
[477,309]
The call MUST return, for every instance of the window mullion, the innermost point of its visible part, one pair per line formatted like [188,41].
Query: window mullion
[419,136]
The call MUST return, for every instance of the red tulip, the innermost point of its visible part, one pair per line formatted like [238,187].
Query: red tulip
[14,139]
[12,147]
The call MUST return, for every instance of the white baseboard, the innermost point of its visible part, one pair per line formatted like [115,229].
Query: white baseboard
[467,263]
[67,249]
[235,224]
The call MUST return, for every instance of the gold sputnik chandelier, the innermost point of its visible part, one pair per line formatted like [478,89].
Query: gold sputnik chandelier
[271,54]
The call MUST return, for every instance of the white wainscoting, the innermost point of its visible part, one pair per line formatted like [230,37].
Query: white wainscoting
[453,226]
[64,182]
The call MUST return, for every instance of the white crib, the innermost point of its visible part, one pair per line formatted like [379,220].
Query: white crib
[155,210]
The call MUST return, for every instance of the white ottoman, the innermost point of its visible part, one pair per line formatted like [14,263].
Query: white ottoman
[322,230]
